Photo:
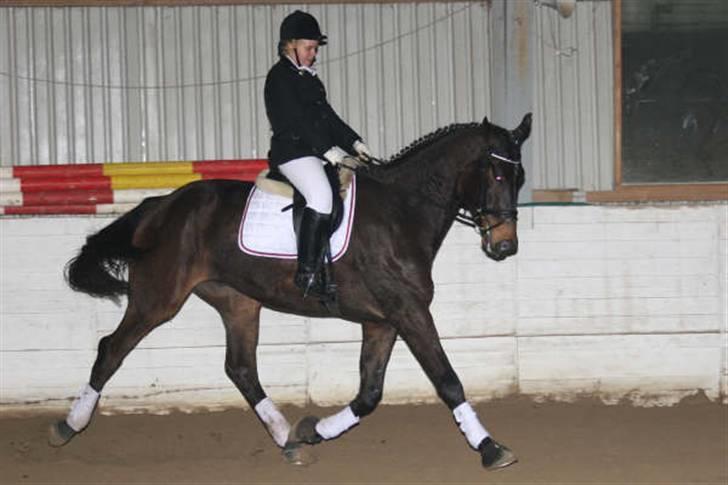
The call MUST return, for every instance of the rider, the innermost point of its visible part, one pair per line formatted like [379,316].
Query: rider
[307,132]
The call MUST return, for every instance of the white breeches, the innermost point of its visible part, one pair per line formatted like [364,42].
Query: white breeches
[308,176]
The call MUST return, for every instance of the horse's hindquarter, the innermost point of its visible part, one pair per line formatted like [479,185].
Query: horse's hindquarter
[197,222]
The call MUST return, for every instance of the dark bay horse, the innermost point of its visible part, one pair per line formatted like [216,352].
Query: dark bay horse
[186,242]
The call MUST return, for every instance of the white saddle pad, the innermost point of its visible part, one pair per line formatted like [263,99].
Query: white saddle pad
[267,232]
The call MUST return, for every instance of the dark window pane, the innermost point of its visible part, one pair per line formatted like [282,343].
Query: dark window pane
[675,91]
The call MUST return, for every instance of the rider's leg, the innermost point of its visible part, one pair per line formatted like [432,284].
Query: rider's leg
[308,176]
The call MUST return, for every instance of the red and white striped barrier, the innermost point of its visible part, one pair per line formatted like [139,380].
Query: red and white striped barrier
[107,188]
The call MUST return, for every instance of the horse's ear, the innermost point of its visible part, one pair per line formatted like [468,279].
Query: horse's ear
[521,133]
[486,125]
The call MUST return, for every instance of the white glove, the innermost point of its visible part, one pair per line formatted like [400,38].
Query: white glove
[335,155]
[363,150]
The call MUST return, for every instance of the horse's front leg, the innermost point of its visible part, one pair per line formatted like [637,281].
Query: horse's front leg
[417,329]
[376,348]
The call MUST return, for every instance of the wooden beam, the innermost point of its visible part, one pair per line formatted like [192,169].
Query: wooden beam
[553,195]
[663,192]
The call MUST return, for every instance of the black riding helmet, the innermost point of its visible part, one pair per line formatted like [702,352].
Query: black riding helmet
[301,25]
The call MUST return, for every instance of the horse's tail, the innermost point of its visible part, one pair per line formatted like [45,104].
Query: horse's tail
[99,268]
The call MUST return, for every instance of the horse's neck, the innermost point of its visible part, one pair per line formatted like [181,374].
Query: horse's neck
[430,172]
[427,183]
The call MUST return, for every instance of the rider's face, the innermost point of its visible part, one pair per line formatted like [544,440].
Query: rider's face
[306,50]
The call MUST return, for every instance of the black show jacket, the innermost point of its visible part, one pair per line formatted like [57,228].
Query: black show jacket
[303,121]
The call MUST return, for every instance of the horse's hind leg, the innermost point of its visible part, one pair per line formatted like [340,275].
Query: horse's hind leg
[112,350]
[241,316]
[149,306]
[376,348]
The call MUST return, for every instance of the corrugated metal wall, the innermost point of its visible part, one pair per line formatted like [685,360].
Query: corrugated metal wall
[185,83]
[573,105]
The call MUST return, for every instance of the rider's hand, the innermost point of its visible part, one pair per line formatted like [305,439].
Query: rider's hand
[362,150]
[350,162]
[335,155]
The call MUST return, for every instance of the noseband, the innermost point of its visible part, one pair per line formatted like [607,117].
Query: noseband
[477,218]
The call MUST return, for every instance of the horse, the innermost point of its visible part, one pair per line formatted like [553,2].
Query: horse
[169,247]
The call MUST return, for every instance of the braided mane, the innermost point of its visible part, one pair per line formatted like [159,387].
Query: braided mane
[427,140]
[424,178]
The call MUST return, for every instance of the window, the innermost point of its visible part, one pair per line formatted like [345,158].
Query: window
[671,102]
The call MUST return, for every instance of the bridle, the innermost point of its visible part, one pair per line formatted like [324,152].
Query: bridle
[476,219]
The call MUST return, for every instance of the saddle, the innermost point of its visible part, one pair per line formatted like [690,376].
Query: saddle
[272,181]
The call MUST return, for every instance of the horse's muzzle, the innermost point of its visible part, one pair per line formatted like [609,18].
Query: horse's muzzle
[500,250]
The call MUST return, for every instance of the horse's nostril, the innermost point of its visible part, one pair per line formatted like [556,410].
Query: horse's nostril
[506,247]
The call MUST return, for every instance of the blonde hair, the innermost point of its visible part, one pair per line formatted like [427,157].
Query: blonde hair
[284,46]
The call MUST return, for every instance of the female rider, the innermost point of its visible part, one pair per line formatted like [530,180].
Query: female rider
[307,132]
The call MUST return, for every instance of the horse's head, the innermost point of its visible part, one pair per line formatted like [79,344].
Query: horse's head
[489,188]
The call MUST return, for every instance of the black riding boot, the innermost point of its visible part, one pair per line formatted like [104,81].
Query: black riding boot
[313,235]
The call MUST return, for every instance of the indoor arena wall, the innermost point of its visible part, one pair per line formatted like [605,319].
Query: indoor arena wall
[619,302]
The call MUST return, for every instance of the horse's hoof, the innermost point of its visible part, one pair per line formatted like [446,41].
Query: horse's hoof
[495,456]
[304,431]
[60,433]
[298,455]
